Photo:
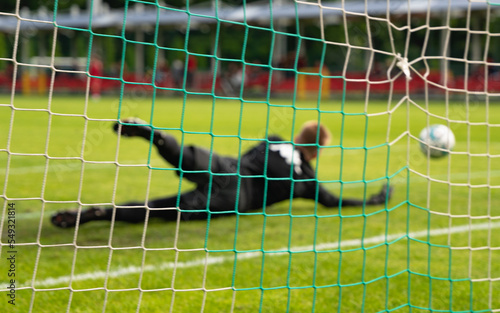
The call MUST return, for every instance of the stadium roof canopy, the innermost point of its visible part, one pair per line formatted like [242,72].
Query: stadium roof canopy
[141,15]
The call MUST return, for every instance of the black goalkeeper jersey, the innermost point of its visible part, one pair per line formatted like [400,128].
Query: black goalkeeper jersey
[275,171]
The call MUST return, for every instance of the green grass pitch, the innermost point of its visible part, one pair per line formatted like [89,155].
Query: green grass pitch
[411,255]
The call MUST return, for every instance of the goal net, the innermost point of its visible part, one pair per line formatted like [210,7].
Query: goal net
[226,76]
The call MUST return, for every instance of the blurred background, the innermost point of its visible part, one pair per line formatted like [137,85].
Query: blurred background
[248,48]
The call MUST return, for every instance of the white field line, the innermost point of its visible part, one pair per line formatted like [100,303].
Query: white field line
[210,260]
[98,165]
[25,170]
[334,187]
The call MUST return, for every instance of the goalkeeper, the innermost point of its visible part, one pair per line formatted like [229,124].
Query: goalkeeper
[270,172]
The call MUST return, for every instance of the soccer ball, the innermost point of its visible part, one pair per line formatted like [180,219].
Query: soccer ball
[436,140]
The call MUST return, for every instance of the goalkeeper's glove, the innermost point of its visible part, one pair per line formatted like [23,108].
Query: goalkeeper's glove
[382,196]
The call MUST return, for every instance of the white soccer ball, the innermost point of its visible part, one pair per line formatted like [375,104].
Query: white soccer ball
[436,140]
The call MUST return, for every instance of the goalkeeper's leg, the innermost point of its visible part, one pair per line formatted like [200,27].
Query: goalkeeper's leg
[195,160]
[190,206]
[167,145]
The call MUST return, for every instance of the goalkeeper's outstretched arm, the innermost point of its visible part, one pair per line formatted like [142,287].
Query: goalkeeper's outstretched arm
[331,201]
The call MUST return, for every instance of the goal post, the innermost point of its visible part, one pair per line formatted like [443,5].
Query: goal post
[227,76]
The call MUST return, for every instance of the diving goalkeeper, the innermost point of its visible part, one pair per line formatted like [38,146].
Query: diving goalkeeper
[270,172]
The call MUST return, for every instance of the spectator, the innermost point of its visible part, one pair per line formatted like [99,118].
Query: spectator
[95,72]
